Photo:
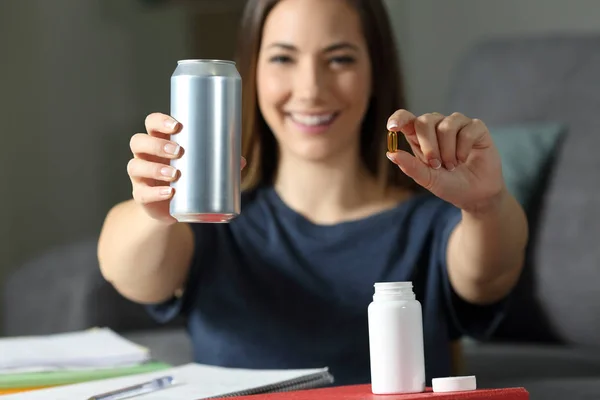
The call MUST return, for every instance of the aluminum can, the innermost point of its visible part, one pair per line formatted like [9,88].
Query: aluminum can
[206,98]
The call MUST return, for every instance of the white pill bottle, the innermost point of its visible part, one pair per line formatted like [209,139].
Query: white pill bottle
[396,340]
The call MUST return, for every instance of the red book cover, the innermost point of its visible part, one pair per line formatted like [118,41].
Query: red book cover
[363,392]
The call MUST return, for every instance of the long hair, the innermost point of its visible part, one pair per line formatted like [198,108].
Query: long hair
[259,146]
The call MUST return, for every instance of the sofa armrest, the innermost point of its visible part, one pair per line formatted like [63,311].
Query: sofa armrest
[63,290]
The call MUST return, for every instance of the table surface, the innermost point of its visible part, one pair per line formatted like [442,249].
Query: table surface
[363,392]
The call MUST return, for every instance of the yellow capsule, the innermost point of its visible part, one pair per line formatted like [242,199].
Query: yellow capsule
[392,142]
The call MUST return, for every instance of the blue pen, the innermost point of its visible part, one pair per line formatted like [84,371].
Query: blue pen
[136,390]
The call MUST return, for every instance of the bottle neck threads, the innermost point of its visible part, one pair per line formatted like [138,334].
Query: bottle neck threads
[385,291]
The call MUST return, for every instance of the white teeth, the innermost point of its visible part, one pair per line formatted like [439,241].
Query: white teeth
[312,120]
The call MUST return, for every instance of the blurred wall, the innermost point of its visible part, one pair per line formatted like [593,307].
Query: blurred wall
[77,78]
[434,34]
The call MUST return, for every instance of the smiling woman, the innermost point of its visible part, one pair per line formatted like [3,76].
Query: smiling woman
[325,214]
[312,84]
[309,70]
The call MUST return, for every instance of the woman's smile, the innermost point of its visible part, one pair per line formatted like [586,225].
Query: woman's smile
[312,122]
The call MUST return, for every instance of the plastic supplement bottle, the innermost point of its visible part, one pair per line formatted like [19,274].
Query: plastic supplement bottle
[396,340]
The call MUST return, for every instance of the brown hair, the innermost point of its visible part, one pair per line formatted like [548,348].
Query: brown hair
[259,146]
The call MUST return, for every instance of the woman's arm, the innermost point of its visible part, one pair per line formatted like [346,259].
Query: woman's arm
[455,158]
[146,260]
[487,249]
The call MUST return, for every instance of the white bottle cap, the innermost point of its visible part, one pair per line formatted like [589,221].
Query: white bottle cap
[454,384]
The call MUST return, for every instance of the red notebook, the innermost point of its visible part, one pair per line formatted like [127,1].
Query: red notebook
[363,392]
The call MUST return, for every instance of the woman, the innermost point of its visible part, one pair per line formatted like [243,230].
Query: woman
[325,212]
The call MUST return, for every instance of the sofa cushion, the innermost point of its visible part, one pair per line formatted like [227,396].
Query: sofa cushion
[525,150]
[63,290]
[172,346]
[547,372]
[535,79]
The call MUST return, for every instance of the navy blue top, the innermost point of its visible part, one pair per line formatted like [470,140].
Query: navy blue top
[273,290]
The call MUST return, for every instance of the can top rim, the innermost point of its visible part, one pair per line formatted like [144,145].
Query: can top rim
[201,60]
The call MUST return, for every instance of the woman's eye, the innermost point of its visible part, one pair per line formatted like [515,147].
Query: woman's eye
[342,60]
[280,59]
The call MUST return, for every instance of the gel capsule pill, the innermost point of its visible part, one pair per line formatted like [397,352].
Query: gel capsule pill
[392,142]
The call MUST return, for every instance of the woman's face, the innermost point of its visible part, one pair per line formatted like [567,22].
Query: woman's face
[314,77]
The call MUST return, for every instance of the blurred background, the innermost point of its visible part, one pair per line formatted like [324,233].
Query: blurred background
[78,77]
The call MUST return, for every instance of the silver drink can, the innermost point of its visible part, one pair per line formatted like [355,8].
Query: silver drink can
[206,98]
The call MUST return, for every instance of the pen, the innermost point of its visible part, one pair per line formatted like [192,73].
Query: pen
[135,390]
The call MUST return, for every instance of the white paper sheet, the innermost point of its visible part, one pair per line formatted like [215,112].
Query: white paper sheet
[98,347]
[193,382]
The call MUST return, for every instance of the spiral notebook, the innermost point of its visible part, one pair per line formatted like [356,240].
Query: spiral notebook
[193,382]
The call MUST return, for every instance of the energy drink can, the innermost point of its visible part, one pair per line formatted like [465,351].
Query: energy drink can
[206,98]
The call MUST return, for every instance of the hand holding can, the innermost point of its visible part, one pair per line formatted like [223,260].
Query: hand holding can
[206,98]
[150,171]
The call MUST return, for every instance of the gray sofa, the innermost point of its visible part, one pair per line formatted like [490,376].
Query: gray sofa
[550,340]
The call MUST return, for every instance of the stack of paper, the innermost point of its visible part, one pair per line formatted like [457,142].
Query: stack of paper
[40,361]
[102,361]
[94,348]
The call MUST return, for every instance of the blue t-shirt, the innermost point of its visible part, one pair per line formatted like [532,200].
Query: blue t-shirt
[271,289]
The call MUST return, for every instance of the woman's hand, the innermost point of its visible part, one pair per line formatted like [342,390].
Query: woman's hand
[454,158]
[149,169]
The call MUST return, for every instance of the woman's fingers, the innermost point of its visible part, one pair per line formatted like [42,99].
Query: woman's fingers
[403,121]
[143,194]
[161,125]
[425,128]
[447,135]
[138,168]
[468,138]
[398,120]
[142,143]
[420,132]
[438,140]
[415,169]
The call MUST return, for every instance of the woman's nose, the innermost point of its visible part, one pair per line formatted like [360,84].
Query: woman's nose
[310,81]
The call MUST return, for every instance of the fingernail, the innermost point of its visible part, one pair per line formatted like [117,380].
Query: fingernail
[170,123]
[450,167]
[390,156]
[168,172]
[172,148]
[392,124]
[435,163]
[165,191]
